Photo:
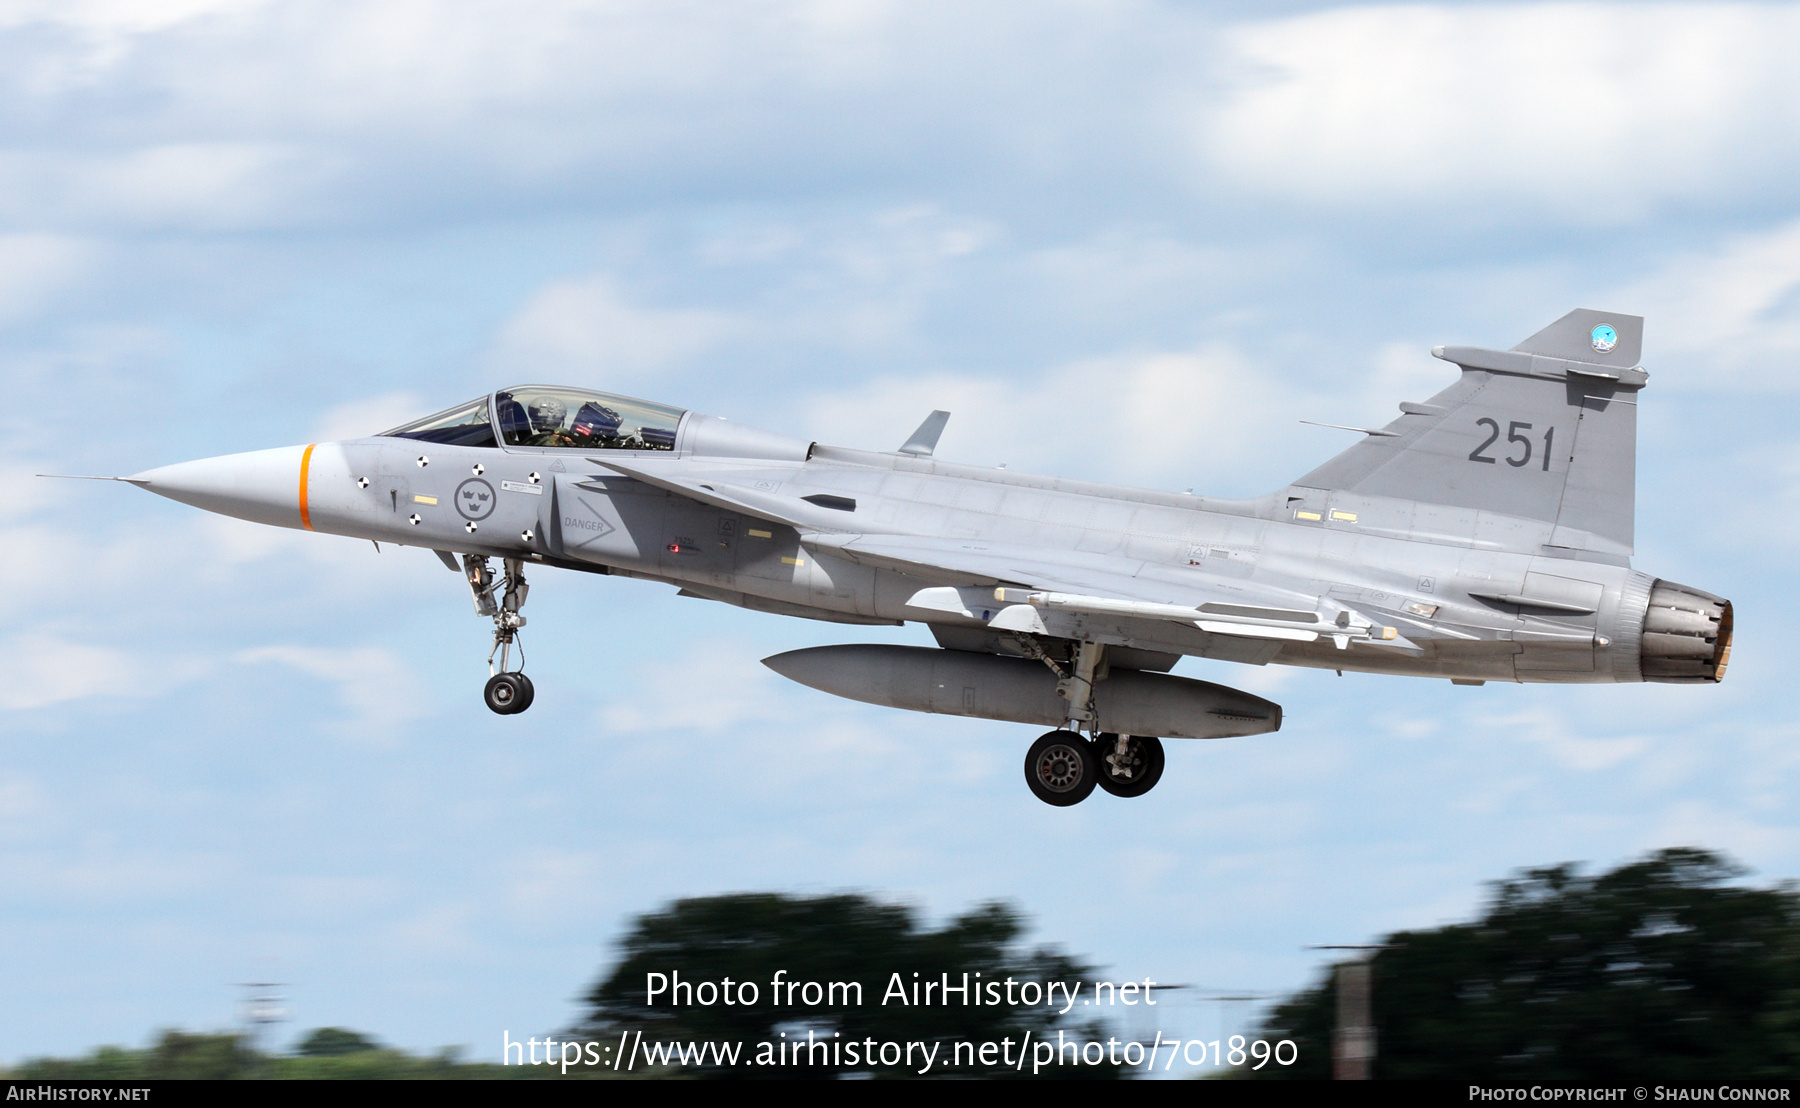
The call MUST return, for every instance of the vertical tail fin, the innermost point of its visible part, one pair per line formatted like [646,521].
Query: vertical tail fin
[1546,431]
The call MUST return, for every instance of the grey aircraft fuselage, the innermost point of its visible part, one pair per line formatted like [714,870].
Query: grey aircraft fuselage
[1483,536]
[573,509]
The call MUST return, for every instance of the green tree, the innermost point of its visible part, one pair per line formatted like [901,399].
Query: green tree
[1660,970]
[329,1042]
[179,1054]
[757,938]
[174,1054]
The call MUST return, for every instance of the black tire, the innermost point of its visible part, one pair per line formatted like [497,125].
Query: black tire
[1060,768]
[1142,769]
[527,693]
[504,694]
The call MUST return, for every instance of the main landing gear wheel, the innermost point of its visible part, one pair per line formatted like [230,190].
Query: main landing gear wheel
[1131,767]
[507,693]
[1060,768]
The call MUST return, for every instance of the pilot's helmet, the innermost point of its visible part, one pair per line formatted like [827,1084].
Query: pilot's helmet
[547,414]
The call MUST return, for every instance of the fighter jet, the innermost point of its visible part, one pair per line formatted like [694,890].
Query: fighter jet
[1483,535]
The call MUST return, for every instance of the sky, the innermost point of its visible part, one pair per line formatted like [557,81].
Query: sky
[1133,241]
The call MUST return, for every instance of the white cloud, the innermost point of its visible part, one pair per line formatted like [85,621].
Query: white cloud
[362,418]
[1707,822]
[272,114]
[378,690]
[740,690]
[1598,109]
[206,185]
[34,269]
[1760,519]
[261,553]
[1406,371]
[586,332]
[1567,742]
[506,92]
[23,492]
[306,111]
[43,671]
[1182,419]
[116,17]
[1724,318]
[1266,681]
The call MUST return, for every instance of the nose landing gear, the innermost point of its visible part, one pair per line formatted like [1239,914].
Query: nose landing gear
[508,691]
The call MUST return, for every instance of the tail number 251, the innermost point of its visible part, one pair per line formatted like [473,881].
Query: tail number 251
[1479,454]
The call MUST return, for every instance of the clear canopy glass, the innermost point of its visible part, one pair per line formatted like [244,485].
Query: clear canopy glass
[557,416]
[463,425]
[551,416]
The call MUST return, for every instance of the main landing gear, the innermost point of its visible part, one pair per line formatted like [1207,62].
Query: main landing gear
[1063,768]
[1130,765]
[508,691]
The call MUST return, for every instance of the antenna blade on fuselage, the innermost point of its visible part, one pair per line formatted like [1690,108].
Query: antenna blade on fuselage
[925,439]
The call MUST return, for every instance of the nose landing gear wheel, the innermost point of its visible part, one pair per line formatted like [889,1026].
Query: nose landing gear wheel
[507,693]
[1060,768]
[1133,771]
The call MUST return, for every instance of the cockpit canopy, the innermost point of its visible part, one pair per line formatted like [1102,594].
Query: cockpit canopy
[551,416]
[464,425]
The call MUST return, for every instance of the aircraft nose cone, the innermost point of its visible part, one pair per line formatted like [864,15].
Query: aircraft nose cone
[263,486]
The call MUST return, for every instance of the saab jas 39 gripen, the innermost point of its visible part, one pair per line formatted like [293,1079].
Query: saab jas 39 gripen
[1484,535]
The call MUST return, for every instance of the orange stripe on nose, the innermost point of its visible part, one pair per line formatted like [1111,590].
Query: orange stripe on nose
[305,466]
